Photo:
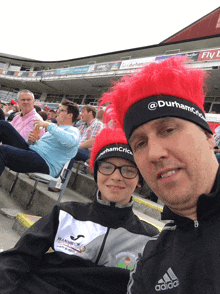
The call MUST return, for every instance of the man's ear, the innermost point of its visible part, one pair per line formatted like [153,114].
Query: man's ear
[210,139]
[71,115]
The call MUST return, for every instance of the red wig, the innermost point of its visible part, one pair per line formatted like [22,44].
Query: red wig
[169,77]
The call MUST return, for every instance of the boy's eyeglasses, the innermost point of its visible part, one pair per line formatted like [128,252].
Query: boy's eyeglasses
[127,171]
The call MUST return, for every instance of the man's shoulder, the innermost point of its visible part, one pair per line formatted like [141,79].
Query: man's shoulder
[32,115]
[35,115]
[16,119]
[96,122]
[69,128]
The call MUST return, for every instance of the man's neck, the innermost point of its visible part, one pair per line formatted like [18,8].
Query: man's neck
[25,113]
[66,124]
[189,213]
[90,120]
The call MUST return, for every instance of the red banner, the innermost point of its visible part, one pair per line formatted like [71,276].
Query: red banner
[209,55]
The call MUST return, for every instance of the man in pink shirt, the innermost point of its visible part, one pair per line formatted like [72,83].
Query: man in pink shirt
[24,123]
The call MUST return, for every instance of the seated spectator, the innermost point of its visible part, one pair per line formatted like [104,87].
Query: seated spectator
[46,155]
[24,123]
[95,245]
[46,109]
[100,114]
[43,114]
[52,116]
[79,121]
[37,108]
[15,112]
[89,130]
[8,109]
[2,115]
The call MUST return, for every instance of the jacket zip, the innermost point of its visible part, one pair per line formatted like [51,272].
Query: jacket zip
[196,223]
[196,227]
[102,247]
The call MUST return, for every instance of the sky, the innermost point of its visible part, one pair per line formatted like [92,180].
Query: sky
[49,30]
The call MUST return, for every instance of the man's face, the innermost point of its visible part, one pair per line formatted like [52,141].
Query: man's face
[176,159]
[85,115]
[51,114]
[25,102]
[62,115]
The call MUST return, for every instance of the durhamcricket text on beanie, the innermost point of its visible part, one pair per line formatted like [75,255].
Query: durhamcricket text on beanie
[113,150]
[160,106]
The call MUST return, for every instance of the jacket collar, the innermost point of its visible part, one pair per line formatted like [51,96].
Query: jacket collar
[113,214]
[207,206]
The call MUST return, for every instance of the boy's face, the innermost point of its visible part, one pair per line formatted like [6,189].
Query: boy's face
[114,187]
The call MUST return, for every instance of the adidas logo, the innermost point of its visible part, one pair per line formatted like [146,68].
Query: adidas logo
[169,281]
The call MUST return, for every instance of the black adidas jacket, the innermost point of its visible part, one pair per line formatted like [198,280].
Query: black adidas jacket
[185,258]
[94,246]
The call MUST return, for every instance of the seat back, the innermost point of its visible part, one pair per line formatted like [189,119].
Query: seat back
[60,181]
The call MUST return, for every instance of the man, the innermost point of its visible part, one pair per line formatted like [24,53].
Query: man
[8,109]
[52,116]
[47,155]
[88,131]
[46,109]
[100,114]
[24,123]
[78,122]
[161,111]
[16,111]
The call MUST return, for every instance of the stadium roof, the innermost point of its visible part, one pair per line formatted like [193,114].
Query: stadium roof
[209,25]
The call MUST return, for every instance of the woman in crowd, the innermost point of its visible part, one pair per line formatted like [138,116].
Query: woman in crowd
[95,244]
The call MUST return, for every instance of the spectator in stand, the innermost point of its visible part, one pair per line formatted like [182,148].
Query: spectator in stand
[15,112]
[1,105]
[2,115]
[46,155]
[8,109]
[37,108]
[52,116]
[89,130]
[95,245]
[100,114]
[46,109]
[79,121]
[24,123]
[162,113]
[43,114]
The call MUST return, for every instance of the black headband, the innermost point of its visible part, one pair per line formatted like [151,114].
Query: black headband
[113,150]
[154,107]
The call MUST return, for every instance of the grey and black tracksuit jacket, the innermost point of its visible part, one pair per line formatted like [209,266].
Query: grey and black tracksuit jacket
[94,247]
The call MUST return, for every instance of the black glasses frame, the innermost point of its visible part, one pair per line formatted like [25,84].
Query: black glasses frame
[117,167]
[62,110]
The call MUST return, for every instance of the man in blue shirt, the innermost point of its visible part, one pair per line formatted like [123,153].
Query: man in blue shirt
[47,155]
